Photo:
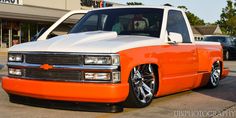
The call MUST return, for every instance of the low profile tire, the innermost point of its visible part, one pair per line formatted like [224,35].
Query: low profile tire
[215,75]
[143,86]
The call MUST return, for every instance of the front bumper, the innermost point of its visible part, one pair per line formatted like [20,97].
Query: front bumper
[67,91]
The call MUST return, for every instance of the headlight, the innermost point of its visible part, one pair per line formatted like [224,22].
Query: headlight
[15,57]
[102,60]
[15,71]
[98,76]
[113,76]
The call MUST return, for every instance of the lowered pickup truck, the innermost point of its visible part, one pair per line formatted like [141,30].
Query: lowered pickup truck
[123,55]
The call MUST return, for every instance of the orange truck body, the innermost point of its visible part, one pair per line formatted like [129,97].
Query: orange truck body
[180,68]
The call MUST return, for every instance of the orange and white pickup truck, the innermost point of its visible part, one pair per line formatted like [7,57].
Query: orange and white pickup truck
[115,55]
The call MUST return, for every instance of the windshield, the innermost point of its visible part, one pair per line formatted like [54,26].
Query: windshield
[125,21]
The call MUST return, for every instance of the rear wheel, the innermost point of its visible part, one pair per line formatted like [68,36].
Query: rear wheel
[215,75]
[143,86]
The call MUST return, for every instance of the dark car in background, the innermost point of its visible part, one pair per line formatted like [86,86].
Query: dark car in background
[228,43]
[234,39]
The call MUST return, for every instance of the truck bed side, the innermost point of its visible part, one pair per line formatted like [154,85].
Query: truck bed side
[208,54]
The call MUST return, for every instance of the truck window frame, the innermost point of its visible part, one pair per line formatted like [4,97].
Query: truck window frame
[181,23]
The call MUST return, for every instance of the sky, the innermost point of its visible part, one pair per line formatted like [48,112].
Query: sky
[208,10]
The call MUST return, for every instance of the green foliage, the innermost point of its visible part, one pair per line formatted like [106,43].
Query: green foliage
[134,3]
[183,7]
[227,20]
[193,19]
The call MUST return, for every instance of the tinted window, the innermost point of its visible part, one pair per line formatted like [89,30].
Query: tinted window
[220,39]
[177,24]
[128,21]
[94,23]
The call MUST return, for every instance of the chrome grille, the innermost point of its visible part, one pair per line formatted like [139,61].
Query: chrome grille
[54,59]
[53,75]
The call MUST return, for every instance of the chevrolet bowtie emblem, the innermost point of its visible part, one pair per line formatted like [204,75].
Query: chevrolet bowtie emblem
[46,66]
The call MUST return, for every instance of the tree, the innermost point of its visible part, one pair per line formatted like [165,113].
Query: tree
[183,7]
[193,19]
[134,3]
[227,20]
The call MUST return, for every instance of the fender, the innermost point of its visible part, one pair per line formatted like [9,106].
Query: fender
[215,56]
[207,56]
[134,57]
[138,56]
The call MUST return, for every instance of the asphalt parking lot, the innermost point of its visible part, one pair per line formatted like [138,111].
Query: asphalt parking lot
[200,103]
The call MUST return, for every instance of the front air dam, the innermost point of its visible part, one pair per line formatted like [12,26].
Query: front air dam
[99,93]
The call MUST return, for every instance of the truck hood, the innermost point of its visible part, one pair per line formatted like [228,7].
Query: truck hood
[92,42]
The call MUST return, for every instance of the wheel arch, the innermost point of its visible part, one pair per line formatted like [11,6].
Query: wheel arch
[157,75]
[138,56]
[156,71]
[215,60]
[221,65]
[130,100]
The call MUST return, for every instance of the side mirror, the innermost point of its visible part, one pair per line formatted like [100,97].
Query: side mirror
[175,38]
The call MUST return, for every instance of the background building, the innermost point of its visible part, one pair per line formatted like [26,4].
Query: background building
[22,19]
[200,31]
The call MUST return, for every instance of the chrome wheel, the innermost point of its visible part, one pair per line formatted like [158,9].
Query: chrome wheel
[215,75]
[143,83]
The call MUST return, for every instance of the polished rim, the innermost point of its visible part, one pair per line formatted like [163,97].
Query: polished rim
[143,82]
[215,75]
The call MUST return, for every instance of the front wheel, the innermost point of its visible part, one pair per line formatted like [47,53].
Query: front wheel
[143,86]
[215,75]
